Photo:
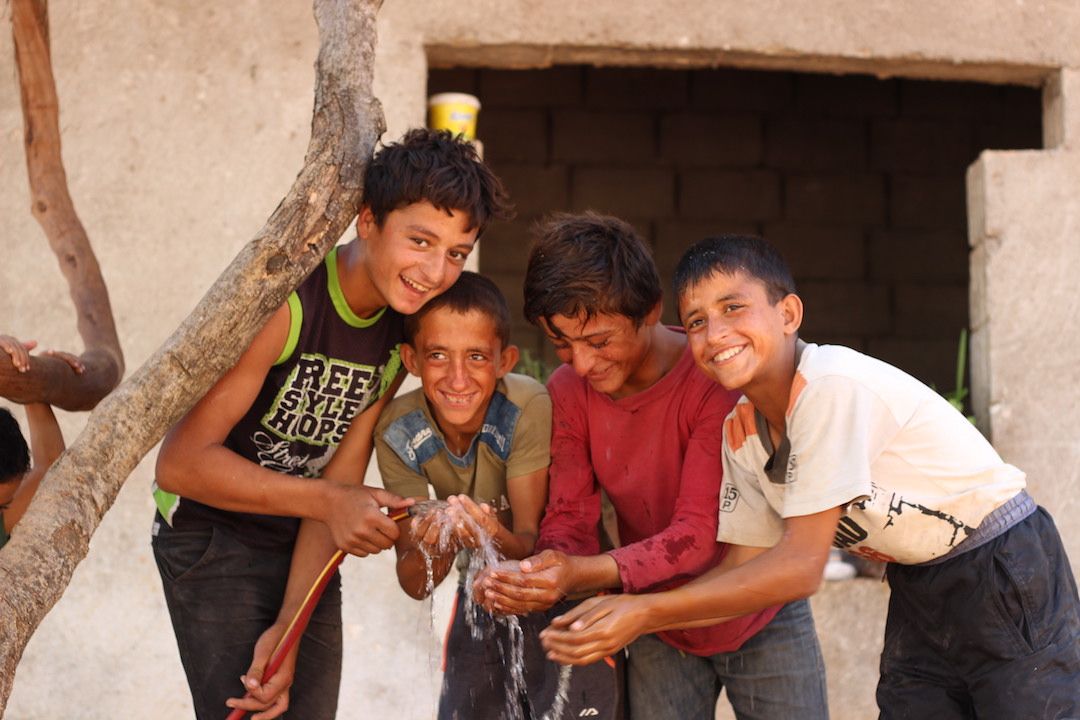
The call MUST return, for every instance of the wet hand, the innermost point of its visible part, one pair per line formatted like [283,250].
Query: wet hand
[473,524]
[540,581]
[433,531]
[479,585]
[595,629]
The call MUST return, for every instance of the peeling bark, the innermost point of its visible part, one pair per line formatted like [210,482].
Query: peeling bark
[50,380]
[37,564]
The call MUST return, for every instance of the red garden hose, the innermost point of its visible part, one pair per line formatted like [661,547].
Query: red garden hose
[296,626]
[300,620]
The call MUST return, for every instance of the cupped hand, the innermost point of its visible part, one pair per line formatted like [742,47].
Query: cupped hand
[473,524]
[539,582]
[595,629]
[432,531]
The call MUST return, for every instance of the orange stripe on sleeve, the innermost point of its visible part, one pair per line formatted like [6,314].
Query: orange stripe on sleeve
[740,427]
[798,383]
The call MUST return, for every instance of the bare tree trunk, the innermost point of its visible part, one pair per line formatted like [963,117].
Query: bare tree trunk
[50,380]
[36,565]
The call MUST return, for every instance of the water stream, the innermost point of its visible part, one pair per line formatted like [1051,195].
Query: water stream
[487,554]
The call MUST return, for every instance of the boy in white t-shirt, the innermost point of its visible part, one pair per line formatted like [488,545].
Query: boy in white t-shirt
[831,447]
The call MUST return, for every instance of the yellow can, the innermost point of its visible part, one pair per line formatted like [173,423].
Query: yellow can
[455,112]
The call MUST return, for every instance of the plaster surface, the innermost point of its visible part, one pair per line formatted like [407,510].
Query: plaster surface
[184,124]
[1024,268]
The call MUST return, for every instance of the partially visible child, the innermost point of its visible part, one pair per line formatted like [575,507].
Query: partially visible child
[480,437]
[830,447]
[19,477]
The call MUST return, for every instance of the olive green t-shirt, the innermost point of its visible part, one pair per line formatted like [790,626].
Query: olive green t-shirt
[515,440]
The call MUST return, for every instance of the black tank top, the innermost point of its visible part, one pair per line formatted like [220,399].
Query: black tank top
[333,366]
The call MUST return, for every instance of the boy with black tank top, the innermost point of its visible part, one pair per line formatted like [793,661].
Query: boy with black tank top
[273,456]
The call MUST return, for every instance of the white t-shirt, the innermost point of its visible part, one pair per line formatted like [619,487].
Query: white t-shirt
[915,478]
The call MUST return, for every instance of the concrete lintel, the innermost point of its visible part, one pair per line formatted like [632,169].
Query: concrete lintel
[961,32]
[523,56]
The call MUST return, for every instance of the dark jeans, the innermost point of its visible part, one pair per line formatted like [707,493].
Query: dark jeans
[778,674]
[222,595]
[992,633]
[478,673]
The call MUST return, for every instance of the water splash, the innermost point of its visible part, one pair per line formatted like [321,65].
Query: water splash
[562,693]
[485,555]
[446,531]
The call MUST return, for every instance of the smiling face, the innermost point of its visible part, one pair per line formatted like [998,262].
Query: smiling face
[737,337]
[417,253]
[459,359]
[607,350]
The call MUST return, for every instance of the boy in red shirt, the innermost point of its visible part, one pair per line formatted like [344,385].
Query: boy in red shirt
[632,416]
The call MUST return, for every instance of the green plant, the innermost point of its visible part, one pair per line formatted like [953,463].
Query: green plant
[960,392]
[533,366]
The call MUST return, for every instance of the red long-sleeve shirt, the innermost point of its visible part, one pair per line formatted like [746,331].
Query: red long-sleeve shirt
[657,456]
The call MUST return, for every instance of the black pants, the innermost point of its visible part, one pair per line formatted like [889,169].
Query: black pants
[477,681]
[222,595]
[992,633]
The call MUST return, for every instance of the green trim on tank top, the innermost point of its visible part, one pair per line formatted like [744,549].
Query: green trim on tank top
[390,370]
[296,319]
[166,503]
[333,284]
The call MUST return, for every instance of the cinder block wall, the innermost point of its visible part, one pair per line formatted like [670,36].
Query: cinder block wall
[859,181]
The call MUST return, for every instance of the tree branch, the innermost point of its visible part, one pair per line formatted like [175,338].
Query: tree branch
[48,381]
[37,564]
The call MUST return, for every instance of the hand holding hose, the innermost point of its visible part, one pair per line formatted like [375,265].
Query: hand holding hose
[356,521]
[268,698]
[285,643]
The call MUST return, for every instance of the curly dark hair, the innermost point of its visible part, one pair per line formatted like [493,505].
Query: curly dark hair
[14,455]
[470,292]
[729,254]
[439,167]
[590,263]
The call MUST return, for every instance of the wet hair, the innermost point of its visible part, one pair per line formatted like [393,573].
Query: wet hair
[590,263]
[471,292]
[14,454]
[729,254]
[439,167]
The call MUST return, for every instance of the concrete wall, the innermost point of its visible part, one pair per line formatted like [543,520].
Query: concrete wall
[1024,263]
[859,181]
[182,128]
[185,123]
